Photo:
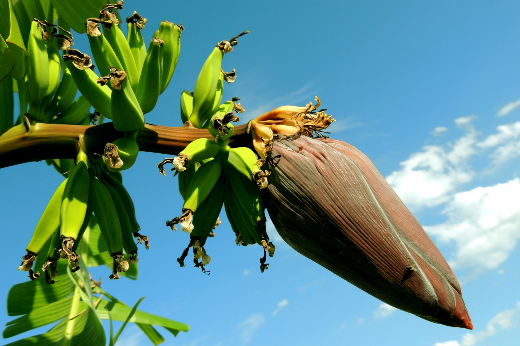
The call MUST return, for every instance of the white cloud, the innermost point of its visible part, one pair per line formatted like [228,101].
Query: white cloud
[250,326]
[501,271]
[135,339]
[281,305]
[503,320]
[506,141]
[439,130]
[430,177]
[246,272]
[384,310]
[484,224]
[508,108]
[448,343]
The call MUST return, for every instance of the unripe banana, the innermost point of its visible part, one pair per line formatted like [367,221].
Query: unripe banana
[75,114]
[220,126]
[106,215]
[135,40]
[126,111]
[74,207]
[200,186]
[171,35]
[54,71]
[122,154]
[185,177]
[63,166]
[51,264]
[120,45]
[186,105]
[86,81]
[124,220]
[103,53]
[206,86]
[202,183]
[239,171]
[149,87]
[37,77]
[217,98]
[64,96]
[48,225]
[198,150]
[241,223]
[109,178]
[206,215]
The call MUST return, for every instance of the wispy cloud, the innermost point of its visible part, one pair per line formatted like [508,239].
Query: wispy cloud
[508,108]
[484,223]
[439,130]
[430,177]
[503,320]
[384,310]
[247,272]
[281,305]
[250,326]
[272,232]
[136,339]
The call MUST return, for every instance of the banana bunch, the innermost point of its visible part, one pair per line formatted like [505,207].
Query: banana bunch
[212,175]
[198,107]
[89,188]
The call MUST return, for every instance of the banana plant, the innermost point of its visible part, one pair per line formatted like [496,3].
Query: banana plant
[78,303]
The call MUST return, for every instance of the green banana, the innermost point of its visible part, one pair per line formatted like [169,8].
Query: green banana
[112,179]
[120,45]
[48,225]
[64,96]
[75,114]
[106,214]
[200,187]
[235,212]
[135,40]
[103,53]
[74,207]
[127,114]
[198,150]
[206,86]
[239,166]
[149,87]
[54,71]
[186,105]
[220,126]
[214,107]
[171,35]
[185,177]
[206,215]
[37,76]
[121,154]
[97,95]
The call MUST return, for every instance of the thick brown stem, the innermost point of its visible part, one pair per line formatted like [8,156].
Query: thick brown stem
[26,143]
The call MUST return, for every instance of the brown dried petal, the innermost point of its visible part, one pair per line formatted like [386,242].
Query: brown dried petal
[329,202]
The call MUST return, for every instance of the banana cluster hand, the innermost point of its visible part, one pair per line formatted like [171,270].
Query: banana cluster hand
[212,174]
[89,188]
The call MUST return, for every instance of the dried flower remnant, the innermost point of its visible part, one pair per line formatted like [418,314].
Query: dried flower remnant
[229,77]
[137,20]
[329,202]
[288,121]
[80,60]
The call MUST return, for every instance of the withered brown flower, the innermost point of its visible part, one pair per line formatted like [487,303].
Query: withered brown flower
[329,202]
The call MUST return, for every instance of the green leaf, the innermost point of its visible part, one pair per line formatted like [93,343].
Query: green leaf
[76,13]
[87,331]
[28,296]
[132,312]
[7,59]
[39,317]
[120,311]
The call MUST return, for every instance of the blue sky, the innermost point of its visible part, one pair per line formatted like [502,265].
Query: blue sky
[429,91]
